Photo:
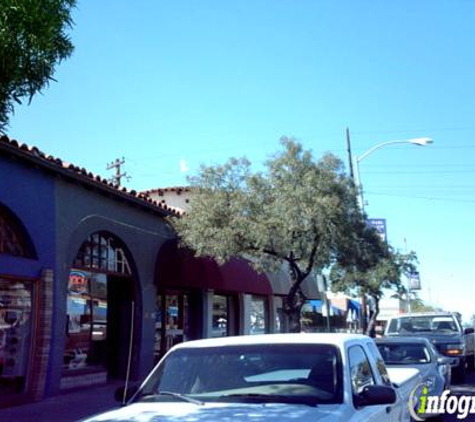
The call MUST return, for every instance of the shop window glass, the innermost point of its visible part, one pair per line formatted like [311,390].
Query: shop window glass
[258,315]
[15,335]
[220,316]
[103,252]
[86,327]
[171,321]
[280,318]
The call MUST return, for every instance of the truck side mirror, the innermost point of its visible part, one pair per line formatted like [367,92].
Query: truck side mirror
[468,331]
[376,394]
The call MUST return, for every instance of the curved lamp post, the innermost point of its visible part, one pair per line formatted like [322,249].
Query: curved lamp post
[415,141]
[356,160]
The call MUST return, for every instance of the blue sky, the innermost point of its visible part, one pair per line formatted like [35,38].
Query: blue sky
[172,84]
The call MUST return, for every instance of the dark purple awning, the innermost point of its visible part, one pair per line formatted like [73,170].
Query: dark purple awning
[178,268]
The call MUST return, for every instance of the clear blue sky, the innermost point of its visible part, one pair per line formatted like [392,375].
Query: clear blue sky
[172,84]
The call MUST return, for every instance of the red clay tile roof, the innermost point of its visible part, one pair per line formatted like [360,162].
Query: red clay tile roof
[34,155]
[161,191]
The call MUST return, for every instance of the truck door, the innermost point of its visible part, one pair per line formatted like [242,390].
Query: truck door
[361,375]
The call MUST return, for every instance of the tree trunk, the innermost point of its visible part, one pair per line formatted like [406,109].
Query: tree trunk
[364,313]
[295,325]
[371,330]
[293,305]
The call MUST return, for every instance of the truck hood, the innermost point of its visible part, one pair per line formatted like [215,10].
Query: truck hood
[401,376]
[434,337]
[220,412]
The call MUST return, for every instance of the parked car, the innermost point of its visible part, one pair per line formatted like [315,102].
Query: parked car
[285,377]
[417,352]
[445,331]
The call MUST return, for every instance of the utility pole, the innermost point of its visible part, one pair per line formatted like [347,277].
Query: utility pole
[364,302]
[408,282]
[350,156]
[117,177]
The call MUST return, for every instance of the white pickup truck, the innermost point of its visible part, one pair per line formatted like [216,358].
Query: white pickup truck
[274,377]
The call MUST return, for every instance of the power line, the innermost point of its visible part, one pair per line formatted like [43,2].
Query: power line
[427,198]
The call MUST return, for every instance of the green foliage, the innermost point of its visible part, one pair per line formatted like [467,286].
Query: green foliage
[295,212]
[298,213]
[33,41]
[418,305]
[386,273]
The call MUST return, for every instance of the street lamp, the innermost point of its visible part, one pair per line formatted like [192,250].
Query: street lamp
[357,159]
[415,141]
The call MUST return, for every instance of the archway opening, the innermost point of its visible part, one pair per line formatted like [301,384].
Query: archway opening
[99,308]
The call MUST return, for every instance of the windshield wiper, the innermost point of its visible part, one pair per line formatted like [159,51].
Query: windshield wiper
[180,396]
[272,398]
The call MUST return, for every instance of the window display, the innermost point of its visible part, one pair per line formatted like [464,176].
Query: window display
[15,334]
[220,316]
[86,317]
[259,315]
[170,322]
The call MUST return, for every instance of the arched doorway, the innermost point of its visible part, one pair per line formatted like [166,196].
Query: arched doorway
[100,298]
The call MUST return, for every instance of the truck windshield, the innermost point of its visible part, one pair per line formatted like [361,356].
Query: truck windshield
[423,324]
[404,353]
[296,373]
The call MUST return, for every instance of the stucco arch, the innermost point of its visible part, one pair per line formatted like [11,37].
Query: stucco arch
[24,238]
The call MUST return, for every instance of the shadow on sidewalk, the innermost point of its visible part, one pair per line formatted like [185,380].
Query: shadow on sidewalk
[66,407]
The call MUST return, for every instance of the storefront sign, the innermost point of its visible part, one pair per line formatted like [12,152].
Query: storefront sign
[78,282]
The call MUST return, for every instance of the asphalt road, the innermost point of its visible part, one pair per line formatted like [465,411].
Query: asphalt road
[467,388]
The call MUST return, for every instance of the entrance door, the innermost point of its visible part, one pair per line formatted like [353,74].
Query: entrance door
[119,323]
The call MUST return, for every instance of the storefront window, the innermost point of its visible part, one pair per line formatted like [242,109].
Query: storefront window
[86,318]
[15,335]
[103,252]
[258,315]
[280,318]
[171,321]
[220,316]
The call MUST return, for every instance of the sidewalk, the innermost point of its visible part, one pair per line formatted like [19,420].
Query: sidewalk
[66,407]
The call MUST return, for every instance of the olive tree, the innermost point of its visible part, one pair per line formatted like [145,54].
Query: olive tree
[385,273]
[298,213]
[33,40]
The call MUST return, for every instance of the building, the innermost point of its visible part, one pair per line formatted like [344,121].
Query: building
[93,286]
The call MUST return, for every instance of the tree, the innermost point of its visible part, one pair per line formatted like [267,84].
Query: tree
[385,273]
[418,305]
[33,41]
[297,214]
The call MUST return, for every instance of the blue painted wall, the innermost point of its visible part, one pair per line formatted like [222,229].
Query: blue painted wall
[29,194]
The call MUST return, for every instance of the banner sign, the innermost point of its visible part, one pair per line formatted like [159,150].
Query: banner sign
[379,224]
[414,281]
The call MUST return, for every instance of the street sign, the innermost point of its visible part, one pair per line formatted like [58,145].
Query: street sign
[380,225]
[414,281]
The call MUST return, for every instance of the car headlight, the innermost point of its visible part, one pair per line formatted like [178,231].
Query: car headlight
[455,349]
